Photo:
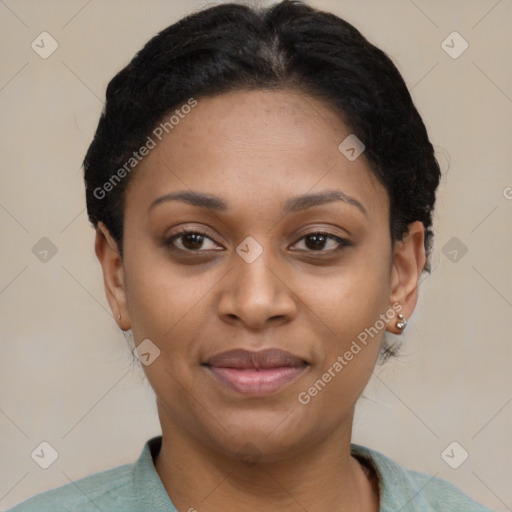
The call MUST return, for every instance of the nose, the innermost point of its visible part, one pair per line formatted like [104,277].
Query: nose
[256,294]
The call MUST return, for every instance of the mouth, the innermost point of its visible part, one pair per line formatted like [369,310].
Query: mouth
[256,373]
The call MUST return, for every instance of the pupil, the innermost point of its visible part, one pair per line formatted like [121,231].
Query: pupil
[193,241]
[318,241]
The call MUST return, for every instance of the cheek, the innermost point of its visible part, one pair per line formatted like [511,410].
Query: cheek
[349,308]
[351,297]
[346,362]
[161,296]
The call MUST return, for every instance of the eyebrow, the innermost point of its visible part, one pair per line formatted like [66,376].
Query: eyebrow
[294,204]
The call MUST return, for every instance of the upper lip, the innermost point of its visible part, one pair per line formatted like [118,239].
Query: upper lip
[268,358]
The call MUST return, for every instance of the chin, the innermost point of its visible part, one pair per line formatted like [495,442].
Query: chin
[264,439]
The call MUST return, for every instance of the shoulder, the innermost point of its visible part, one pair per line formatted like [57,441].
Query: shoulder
[107,490]
[412,491]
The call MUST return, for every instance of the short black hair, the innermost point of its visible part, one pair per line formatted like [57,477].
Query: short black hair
[289,45]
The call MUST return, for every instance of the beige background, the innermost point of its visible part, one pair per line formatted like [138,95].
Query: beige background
[66,376]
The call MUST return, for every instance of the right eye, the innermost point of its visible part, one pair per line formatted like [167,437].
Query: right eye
[190,241]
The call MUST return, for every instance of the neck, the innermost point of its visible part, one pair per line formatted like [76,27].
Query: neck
[323,477]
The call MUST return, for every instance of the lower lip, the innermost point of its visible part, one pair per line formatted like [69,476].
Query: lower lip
[254,382]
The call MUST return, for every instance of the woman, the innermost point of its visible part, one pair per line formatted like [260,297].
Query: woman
[262,189]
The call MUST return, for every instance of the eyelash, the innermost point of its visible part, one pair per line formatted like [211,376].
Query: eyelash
[342,243]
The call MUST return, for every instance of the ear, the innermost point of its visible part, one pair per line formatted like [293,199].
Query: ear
[111,262]
[408,262]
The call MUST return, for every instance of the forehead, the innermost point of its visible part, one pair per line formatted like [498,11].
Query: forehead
[255,146]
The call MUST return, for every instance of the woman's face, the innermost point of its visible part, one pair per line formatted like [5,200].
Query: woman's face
[295,255]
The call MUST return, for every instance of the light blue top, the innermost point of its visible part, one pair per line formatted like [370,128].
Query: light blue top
[137,487]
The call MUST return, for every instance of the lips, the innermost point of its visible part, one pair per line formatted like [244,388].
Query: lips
[242,359]
[256,373]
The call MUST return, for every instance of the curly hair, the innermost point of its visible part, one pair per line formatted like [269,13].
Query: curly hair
[287,46]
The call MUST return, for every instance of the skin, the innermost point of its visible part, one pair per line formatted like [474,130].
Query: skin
[256,150]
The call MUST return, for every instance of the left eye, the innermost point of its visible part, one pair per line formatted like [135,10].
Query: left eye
[322,242]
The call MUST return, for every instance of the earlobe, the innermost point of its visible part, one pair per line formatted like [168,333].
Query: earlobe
[109,256]
[408,263]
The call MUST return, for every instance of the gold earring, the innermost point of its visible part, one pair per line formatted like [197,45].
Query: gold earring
[402,322]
